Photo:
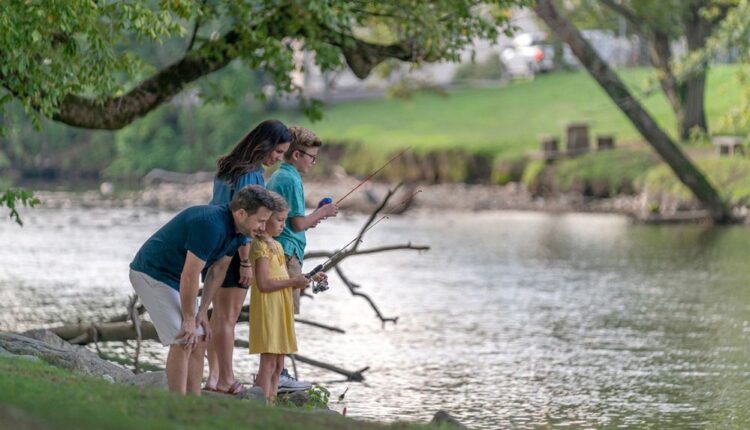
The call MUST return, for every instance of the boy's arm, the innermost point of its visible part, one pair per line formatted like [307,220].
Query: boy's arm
[295,197]
[302,223]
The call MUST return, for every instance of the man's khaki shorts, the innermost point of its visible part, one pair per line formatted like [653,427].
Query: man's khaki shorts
[163,305]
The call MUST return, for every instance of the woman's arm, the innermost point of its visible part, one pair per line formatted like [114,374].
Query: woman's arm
[267,285]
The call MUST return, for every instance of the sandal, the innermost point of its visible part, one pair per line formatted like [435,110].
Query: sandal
[235,389]
[211,389]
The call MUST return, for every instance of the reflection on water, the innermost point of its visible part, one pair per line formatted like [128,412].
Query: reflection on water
[511,320]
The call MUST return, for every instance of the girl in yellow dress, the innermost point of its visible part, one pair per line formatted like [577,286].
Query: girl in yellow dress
[271,309]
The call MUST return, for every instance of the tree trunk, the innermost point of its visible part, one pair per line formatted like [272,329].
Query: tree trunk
[686,98]
[660,141]
[660,56]
[692,91]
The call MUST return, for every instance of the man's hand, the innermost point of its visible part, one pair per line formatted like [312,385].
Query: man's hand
[202,321]
[319,277]
[246,275]
[186,337]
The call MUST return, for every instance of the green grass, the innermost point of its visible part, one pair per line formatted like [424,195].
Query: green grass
[730,175]
[609,169]
[63,400]
[507,121]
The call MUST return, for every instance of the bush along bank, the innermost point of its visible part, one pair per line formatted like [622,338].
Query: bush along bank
[634,172]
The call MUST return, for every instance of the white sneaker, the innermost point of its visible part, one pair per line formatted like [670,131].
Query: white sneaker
[288,383]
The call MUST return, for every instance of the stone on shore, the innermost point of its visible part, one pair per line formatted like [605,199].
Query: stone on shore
[156,380]
[443,418]
[52,349]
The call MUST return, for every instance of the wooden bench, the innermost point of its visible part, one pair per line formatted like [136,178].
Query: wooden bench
[729,145]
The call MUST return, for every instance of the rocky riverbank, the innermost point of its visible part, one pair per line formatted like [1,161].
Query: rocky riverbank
[171,191]
[470,197]
[44,346]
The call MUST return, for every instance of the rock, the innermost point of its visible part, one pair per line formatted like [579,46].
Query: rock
[150,380]
[108,378]
[17,419]
[4,353]
[57,352]
[106,188]
[253,393]
[443,418]
[51,339]
[299,398]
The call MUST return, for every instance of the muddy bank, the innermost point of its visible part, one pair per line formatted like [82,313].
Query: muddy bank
[171,191]
[471,197]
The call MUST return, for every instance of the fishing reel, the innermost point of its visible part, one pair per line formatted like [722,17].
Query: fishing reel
[317,287]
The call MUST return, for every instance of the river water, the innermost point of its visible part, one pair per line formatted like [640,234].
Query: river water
[511,320]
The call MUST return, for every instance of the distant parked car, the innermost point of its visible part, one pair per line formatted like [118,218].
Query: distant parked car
[528,54]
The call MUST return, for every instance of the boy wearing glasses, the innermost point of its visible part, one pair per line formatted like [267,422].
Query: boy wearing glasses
[287,181]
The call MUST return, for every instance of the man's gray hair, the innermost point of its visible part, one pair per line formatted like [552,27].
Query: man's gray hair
[251,198]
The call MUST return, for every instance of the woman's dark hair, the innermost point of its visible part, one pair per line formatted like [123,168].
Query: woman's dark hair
[251,150]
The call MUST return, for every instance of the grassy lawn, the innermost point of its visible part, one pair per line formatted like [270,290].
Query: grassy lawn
[507,121]
[62,400]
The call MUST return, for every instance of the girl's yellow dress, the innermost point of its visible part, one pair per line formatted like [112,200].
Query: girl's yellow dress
[271,314]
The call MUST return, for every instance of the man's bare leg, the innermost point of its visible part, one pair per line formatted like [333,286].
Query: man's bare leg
[195,368]
[177,368]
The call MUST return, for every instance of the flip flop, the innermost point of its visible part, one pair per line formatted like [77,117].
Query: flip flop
[211,389]
[234,389]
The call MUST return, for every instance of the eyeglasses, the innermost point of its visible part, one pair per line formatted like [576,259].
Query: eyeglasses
[314,158]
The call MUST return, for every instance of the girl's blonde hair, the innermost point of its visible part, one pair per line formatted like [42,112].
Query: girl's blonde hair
[279,202]
[280,205]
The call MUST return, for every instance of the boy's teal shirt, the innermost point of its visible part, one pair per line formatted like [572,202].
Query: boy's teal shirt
[288,182]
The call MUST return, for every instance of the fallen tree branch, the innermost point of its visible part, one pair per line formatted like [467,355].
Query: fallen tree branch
[353,287]
[327,254]
[351,375]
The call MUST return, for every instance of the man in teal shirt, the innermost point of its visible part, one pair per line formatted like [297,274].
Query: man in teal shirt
[287,181]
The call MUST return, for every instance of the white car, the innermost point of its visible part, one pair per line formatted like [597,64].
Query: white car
[528,55]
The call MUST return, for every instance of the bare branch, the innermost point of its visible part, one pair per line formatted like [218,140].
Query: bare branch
[353,287]
[319,325]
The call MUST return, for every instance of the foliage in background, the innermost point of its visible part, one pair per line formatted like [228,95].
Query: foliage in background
[78,62]
[490,69]
[11,198]
[731,36]
[730,174]
[504,122]
[615,171]
[51,49]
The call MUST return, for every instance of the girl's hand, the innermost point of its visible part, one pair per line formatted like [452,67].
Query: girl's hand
[319,277]
[300,281]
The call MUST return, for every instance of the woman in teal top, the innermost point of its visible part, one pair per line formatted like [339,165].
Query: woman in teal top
[264,145]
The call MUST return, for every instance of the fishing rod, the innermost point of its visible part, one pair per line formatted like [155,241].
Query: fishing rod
[323,285]
[329,200]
